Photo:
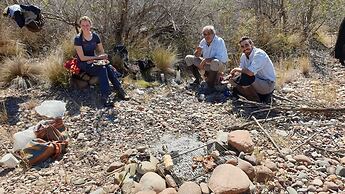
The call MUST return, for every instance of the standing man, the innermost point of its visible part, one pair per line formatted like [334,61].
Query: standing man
[211,55]
[255,78]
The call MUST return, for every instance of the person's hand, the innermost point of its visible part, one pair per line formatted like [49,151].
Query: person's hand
[234,71]
[202,64]
[103,56]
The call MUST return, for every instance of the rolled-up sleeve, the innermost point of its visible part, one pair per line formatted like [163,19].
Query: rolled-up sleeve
[257,63]
[222,53]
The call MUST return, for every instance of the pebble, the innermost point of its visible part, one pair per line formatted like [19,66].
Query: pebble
[317,182]
[291,190]
[340,171]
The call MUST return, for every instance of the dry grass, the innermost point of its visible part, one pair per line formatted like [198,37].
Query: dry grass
[10,48]
[325,38]
[305,65]
[29,105]
[19,72]
[325,93]
[68,47]
[54,72]
[286,72]
[164,58]
[3,112]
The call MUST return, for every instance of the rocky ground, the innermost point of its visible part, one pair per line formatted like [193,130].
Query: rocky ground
[305,122]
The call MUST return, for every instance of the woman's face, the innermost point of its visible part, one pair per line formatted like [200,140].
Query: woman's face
[85,25]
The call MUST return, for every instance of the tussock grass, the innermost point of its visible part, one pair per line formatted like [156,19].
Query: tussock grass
[305,65]
[54,72]
[3,112]
[10,48]
[19,72]
[325,93]
[164,59]
[286,72]
[325,38]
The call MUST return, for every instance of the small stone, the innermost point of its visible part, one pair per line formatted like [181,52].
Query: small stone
[241,140]
[302,175]
[79,181]
[342,160]
[141,148]
[81,136]
[330,170]
[286,151]
[98,191]
[88,189]
[247,168]
[152,181]
[303,159]
[2,191]
[340,171]
[298,184]
[331,185]
[145,167]
[251,159]
[189,188]
[204,188]
[169,191]
[291,190]
[317,182]
[263,174]
[146,192]
[271,165]
[170,181]
[311,188]
[233,161]
[322,163]
[114,166]
[302,190]
[290,158]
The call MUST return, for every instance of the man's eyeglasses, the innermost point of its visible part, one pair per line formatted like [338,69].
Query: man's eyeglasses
[206,34]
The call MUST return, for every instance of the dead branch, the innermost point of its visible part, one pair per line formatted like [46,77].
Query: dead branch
[268,135]
[338,152]
[305,142]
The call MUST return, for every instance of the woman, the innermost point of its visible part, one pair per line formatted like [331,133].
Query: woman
[86,43]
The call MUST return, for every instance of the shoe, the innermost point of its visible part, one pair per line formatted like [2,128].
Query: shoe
[107,102]
[122,94]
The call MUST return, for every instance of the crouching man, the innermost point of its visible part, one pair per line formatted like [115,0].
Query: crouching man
[210,56]
[255,78]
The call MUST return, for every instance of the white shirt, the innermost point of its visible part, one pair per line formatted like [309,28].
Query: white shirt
[259,63]
[216,49]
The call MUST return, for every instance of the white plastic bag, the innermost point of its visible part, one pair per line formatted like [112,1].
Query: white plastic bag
[51,108]
[22,138]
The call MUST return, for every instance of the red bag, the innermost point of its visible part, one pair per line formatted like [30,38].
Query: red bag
[72,66]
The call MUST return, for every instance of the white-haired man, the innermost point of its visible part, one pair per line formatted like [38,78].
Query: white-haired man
[211,55]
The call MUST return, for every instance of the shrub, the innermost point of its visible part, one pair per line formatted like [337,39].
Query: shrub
[19,72]
[164,59]
[305,65]
[54,72]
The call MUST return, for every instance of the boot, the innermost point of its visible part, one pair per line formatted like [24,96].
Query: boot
[211,78]
[122,94]
[196,74]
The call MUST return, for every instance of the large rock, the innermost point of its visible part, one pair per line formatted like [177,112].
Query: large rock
[152,181]
[263,174]
[169,191]
[189,188]
[241,140]
[228,179]
[247,168]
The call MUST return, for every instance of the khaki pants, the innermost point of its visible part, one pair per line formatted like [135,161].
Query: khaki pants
[263,86]
[215,64]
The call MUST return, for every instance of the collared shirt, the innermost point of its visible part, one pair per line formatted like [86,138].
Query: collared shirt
[216,49]
[259,63]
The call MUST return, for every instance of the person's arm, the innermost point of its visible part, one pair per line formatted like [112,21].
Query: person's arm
[197,51]
[82,57]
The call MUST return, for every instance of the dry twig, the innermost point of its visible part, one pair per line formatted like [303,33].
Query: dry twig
[268,135]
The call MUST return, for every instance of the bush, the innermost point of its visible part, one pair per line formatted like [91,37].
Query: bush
[54,71]
[19,72]
[164,59]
